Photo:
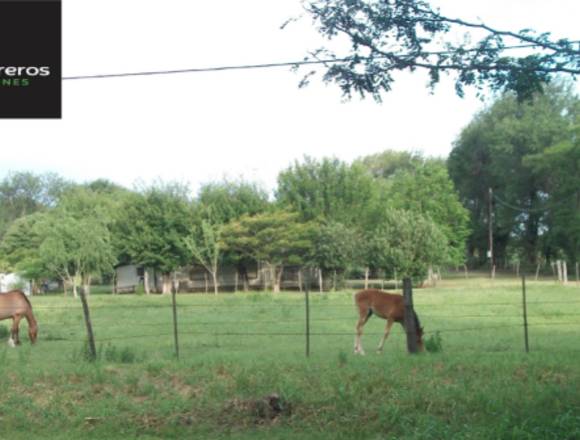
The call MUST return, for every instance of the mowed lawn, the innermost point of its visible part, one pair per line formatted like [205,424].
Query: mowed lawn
[239,350]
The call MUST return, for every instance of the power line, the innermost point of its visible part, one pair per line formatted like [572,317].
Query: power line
[274,65]
[550,205]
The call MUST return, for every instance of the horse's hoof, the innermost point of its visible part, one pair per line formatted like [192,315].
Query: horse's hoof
[11,343]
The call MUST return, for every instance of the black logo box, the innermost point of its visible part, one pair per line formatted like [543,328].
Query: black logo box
[30,39]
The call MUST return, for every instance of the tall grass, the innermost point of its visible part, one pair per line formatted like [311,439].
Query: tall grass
[238,350]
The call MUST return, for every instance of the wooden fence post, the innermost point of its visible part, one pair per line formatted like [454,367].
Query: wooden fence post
[525,306]
[307,306]
[90,335]
[410,325]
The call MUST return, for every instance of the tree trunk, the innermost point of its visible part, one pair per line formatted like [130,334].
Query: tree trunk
[205,281]
[538,271]
[245,280]
[564,272]
[320,281]
[300,280]
[214,276]
[74,287]
[559,269]
[166,287]
[146,281]
[367,278]
[278,279]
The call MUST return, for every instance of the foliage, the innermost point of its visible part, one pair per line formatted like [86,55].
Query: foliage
[406,242]
[559,167]
[24,193]
[153,225]
[389,162]
[335,247]
[226,201]
[434,343]
[326,190]
[19,247]
[427,189]
[408,35]
[74,244]
[495,151]
[204,244]
[277,238]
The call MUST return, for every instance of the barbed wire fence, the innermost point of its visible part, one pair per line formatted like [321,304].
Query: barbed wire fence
[306,328]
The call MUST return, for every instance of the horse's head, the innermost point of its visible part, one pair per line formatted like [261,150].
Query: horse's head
[420,345]
[33,333]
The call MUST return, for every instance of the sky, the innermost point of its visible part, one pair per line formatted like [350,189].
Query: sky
[202,127]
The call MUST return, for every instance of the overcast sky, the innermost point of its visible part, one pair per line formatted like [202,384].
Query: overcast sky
[202,127]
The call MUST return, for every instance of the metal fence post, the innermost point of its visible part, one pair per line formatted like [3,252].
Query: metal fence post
[410,325]
[307,305]
[175,332]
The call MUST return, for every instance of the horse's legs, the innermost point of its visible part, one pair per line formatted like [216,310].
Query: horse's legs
[386,335]
[14,339]
[362,320]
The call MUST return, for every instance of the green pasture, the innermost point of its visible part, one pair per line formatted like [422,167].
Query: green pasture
[237,349]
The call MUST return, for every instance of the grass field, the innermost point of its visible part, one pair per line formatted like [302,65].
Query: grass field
[236,349]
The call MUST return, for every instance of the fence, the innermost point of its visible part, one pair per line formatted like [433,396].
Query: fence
[315,322]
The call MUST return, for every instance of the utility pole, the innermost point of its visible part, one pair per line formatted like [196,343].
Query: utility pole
[490,225]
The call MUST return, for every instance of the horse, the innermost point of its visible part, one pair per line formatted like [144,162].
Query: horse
[14,304]
[387,306]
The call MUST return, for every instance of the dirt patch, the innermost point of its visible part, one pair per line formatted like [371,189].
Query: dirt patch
[264,410]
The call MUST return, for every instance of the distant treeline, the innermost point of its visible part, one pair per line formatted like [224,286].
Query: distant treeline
[516,164]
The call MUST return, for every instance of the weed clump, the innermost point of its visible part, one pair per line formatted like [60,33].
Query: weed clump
[434,344]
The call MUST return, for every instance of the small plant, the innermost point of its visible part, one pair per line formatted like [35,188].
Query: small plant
[342,358]
[125,355]
[434,343]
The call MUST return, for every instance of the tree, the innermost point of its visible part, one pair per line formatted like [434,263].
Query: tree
[427,189]
[226,201]
[560,167]
[75,240]
[19,249]
[335,249]
[328,190]
[25,193]
[405,242]
[204,243]
[74,249]
[152,228]
[389,162]
[275,238]
[493,151]
[387,36]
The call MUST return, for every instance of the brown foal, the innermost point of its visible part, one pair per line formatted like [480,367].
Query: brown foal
[387,306]
[15,305]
